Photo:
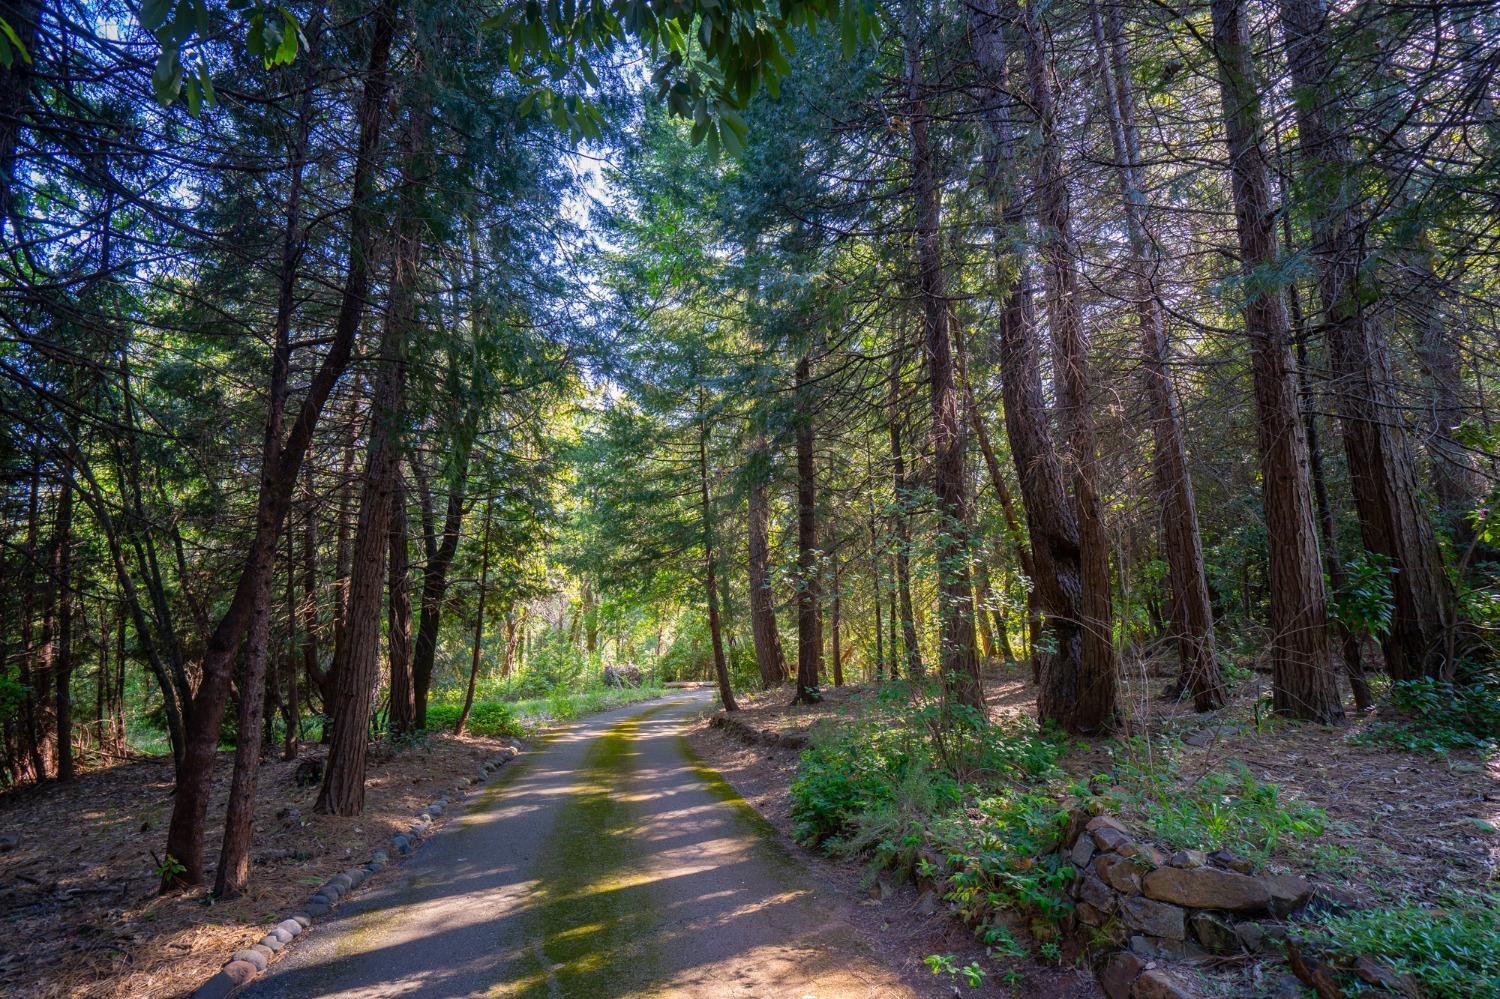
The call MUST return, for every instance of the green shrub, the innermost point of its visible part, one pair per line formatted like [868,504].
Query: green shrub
[492,718]
[910,779]
[1440,717]
[1450,953]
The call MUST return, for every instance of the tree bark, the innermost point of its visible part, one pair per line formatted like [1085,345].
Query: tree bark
[280,462]
[901,599]
[809,622]
[1192,613]
[1051,523]
[767,637]
[343,790]
[958,664]
[710,564]
[402,717]
[62,665]
[484,581]
[1304,684]
[1093,707]
[1382,474]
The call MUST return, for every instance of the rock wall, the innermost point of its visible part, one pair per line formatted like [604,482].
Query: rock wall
[1146,910]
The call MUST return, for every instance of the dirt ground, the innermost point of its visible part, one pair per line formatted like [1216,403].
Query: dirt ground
[1404,828]
[77,897]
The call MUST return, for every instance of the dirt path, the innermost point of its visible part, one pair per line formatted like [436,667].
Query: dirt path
[608,863]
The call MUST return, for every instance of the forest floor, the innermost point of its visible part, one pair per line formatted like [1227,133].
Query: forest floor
[78,903]
[1402,828]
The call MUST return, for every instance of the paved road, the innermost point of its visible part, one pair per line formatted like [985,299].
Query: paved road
[606,863]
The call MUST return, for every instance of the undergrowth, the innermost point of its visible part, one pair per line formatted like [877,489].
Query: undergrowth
[1451,952]
[1226,809]
[1440,717]
[945,797]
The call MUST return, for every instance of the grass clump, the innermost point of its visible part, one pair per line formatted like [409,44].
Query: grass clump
[1451,952]
[1229,809]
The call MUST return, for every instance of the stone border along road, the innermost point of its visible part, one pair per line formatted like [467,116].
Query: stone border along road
[251,961]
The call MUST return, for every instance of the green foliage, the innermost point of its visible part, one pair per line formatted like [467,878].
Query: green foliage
[947,964]
[1229,809]
[1440,717]
[905,783]
[495,718]
[1450,953]
[1364,603]
[1002,856]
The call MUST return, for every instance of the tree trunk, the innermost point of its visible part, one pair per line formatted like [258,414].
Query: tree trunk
[1094,706]
[838,618]
[343,790]
[710,564]
[62,665]
[958,664]
[1051,523]
[1304,684]
[248,616]
[292,717]
[1192,613]
[901,599]
[484,581]
[1382,474]
[402,717]
[768,655]
[809,623]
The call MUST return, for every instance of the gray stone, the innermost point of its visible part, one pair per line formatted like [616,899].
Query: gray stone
[1159,919]
[379,857]
[1232,861]
[1259,937]
[302,919]
[1119,974]
[320,897]
[1144,854]
[436,808]
[1288,892]
[282,935]
[1090,916]
[240,971]
[1189,859]
[1120,874]
[254,957]
[356,876]
[1164,983]
[1207,888]
[1214,932]
[262,950]
[402,843]
[271,941]
[1288,986]
[316,910]
[1082,852]
[1096,893]
[1108,838]
[220,986]
[342,881]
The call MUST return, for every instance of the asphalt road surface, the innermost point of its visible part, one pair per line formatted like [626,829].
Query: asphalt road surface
[604,863]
